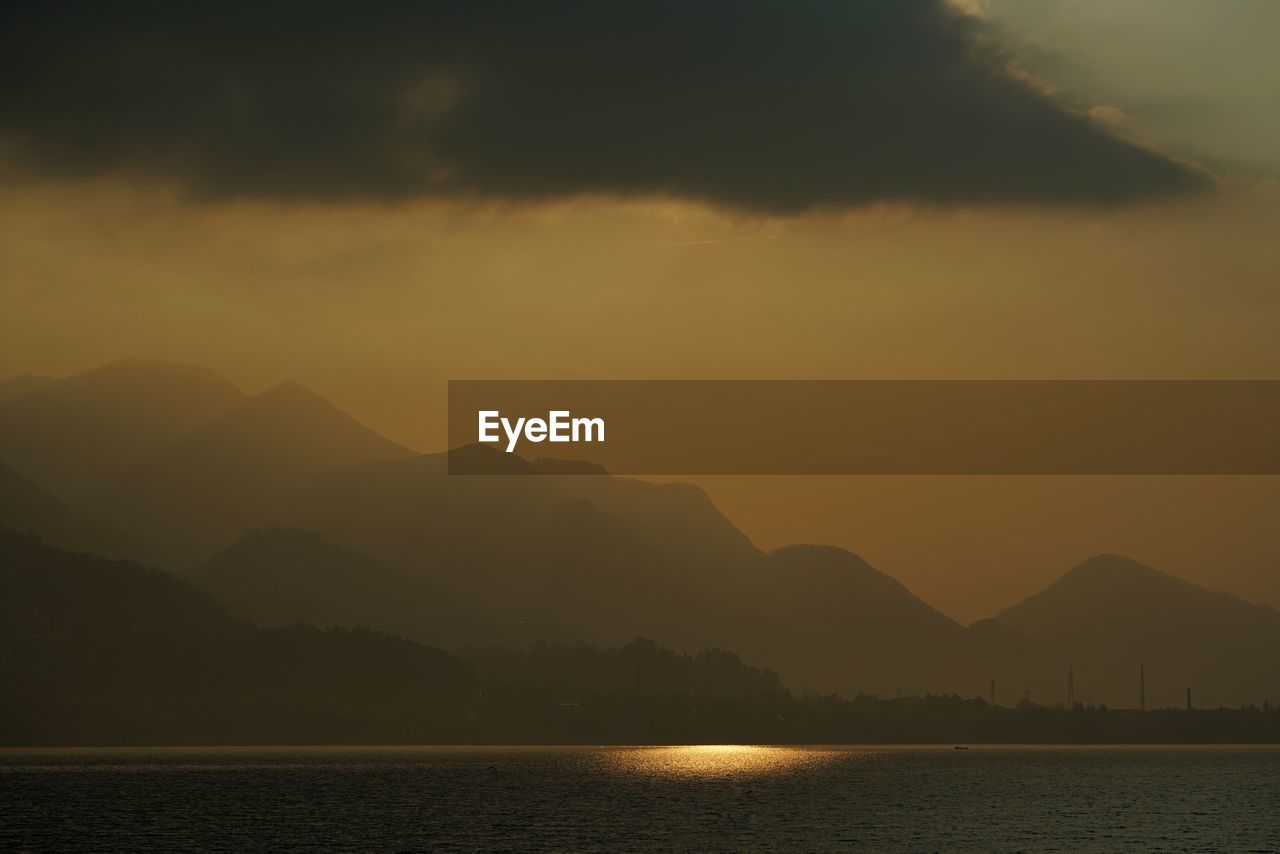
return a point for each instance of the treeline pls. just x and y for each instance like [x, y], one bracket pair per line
[533, 717]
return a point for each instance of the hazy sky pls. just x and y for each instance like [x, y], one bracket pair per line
[1196, 76]
[742, 209]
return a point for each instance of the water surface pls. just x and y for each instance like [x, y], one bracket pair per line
[642, 799]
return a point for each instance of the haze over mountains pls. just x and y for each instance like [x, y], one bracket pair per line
[289, 511]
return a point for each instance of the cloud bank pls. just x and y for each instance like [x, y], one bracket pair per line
[766, 106]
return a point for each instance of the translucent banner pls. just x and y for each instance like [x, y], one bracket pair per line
[1001, 427]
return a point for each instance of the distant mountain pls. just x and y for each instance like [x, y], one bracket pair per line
[518, 544]
[602, 559]
[68, 434]
[282, 576]
[21, 385]
[237, 471]
[94, 651]
[677, 520]
[829, 586]
[78, 603]
[1020, 666]
[99, 652]
[1110, 615]
[841, 625]
[26, 508]
[180, 460]
[608, 559]
[287, 427]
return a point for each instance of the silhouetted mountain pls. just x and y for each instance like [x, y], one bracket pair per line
[517, 543]
[608, 558]
[290, 427]
[178, 457]
[1021, 666]
[841, 625]
[106, 652]
[24, 507]
[281, 577]
[677, 520]
[1110, 614]
[100, 651]
[604, 559]
[21, 385]
[68, 434]
[828, 586]
[81, 602]
[238, 471]
[592, 557]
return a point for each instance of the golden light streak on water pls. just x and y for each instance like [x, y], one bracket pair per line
[714, 760]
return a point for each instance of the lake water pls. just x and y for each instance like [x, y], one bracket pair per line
[643, 799]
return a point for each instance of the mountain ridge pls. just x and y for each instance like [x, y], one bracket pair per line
[69, 433]
[606, 559]
[1112, 616]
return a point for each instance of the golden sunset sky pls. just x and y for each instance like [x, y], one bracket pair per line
[252, 251]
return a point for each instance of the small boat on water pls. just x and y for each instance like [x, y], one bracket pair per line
[962, 747]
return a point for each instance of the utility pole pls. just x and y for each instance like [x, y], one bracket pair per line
[1188, 699]
[1071, 688]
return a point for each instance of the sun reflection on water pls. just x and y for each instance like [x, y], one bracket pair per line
[714, 760]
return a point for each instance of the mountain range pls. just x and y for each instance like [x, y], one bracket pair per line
[289, 511]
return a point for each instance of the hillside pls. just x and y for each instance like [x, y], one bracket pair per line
[94, 651]
[238, 471]
[68, 434]
[281, 577]
[186, 467]
[26, 508]
[839, 624]
[1111, 614]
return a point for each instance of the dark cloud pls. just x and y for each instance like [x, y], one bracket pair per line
[765, 105]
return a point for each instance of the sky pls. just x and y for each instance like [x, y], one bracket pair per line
[372, 204]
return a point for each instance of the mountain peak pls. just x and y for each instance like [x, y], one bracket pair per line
[195, 494]
[1110, 614]
[288, 422]
[148, 367]
[70, 433]
[289, 402]
[1106, 564]
[1104, 580]
[288, 387]
[136, 379]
